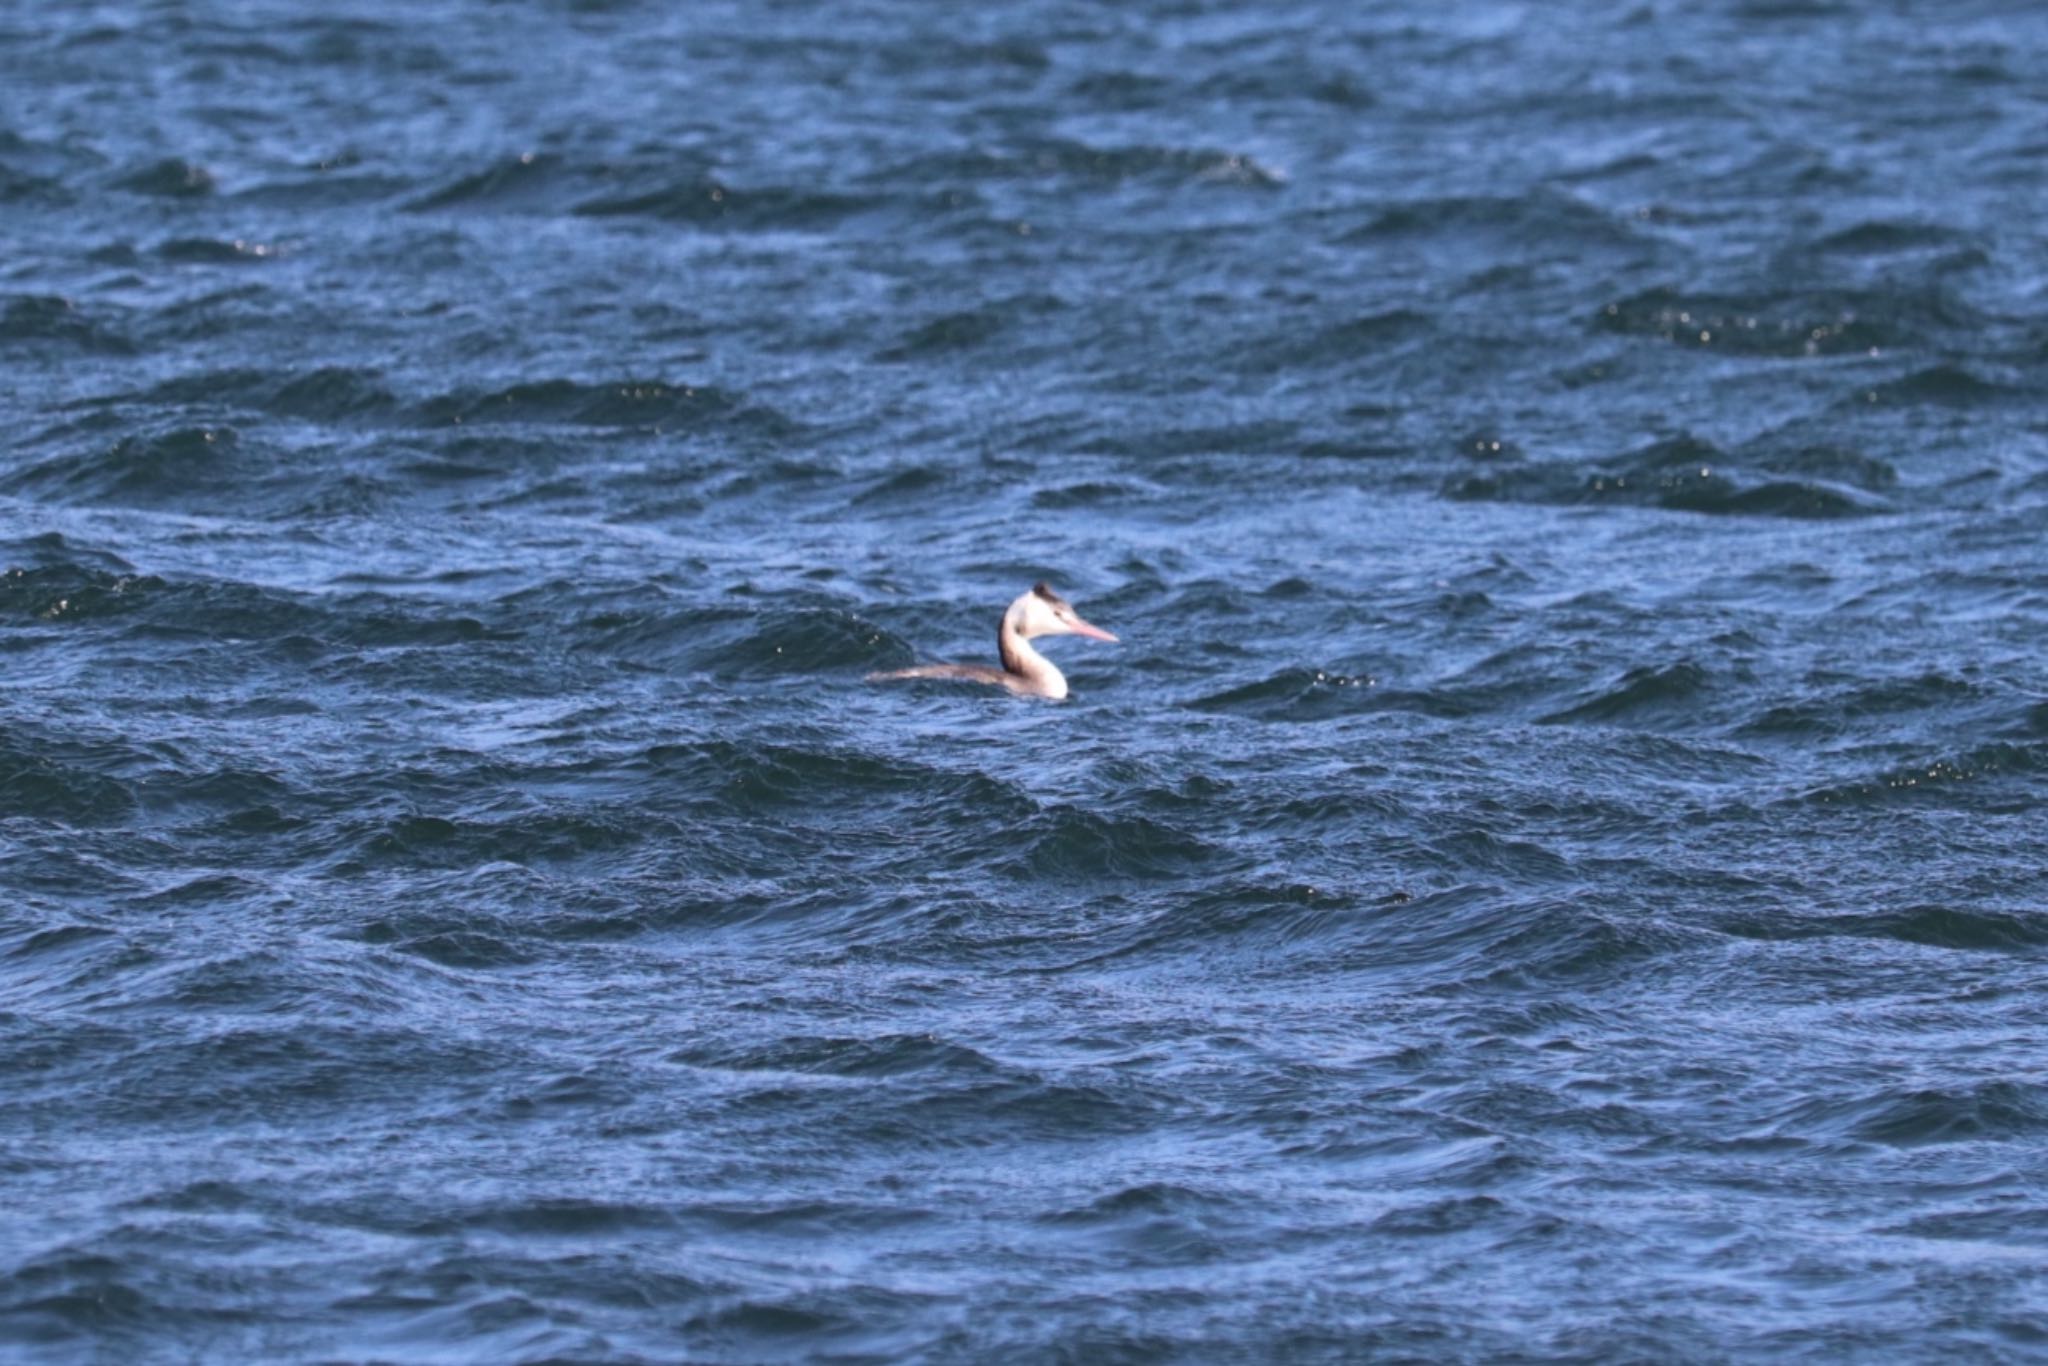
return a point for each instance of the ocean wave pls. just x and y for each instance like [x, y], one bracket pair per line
[209, 251]
[1887, 236]
[157, 468]
[1850, 707]
[1670, 692]
[856, 1057]
[1298, 695]
[971, 329]
[1793, 322]
[527, 181]
[1088, 493]
[1070, 159]
[742, 642]
[350, 395]
[1946, 385]
[25, 187]
[1366, 338]
[73, 781]
[29, 319]
[1990, 777]
[61, 590]
[328, 393]
[1930, 925]
[1684, 474]
[804, 641]
[1557, 220]
[1065, 842]
[709, 202]
[761, 779]
[1906, 1116]
[329, 186]
[71, 1294]
[170, 178]
[632, 403]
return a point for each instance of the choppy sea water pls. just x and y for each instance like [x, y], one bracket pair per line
[1553, 871]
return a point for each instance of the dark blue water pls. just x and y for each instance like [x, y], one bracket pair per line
[1553, 871]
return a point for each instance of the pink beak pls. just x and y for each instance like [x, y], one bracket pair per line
[1082, 628]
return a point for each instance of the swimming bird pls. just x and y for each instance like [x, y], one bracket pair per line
[1041, 612]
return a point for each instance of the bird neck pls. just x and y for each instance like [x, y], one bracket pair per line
[1037, 673]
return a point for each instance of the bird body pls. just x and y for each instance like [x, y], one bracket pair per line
[1024, 671]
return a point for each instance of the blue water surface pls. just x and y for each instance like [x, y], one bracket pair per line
[1553, 870]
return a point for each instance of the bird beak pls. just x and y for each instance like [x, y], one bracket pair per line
[1082, 628]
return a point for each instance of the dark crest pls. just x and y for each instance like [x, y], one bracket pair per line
[1045, 591]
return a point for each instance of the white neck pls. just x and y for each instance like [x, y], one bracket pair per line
[1033, 672]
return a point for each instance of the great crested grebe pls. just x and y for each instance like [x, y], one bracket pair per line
[1041, 612]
